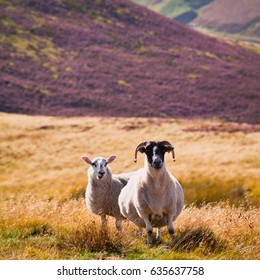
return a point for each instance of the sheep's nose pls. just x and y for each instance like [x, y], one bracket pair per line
[157, 162]
[101, 174]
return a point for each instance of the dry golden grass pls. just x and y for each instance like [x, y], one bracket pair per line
[43, 179]
[42, 155]
[42, 229]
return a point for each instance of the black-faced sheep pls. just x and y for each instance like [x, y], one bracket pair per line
[152, 197]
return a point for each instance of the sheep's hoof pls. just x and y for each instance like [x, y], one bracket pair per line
[149, 238]
[150, 242]
[119, 228]
[172, 238]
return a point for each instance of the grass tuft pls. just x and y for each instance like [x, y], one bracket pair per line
[191, 239]
[92, 238]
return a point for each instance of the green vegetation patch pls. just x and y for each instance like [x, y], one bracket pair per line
[25, 231]
[23, 42]
[174, 8]
[196, 4]
[124, 83]
[75, 6]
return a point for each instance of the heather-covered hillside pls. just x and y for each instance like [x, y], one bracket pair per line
[115, 58]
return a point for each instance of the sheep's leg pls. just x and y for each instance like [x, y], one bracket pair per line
[149, 230]
[170, 226]
[103, 220]
[118, 224]
[140, 232]
[158, 233]
[148, 226]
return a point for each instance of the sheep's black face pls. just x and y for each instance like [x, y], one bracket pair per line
[155, 152]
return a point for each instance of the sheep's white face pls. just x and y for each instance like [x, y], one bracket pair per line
[99, 165]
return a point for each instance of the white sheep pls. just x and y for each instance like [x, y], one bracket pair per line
[104, 188]
[152, 197]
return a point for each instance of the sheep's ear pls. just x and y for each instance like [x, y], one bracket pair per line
[86, 159]
[111, 158]
[169, 148]
[141, 150]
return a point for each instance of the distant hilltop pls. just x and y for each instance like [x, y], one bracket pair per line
[236, 17]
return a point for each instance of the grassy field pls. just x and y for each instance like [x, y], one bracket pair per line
[43, 179]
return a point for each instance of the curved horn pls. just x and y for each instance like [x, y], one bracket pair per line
[142, 144]
[166, 143]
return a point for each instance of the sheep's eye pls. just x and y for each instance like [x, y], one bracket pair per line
[106, 164]
[93, 164]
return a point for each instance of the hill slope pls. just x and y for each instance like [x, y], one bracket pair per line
[114, 58]
[175, 8]
[232, 17]
[229, 16]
